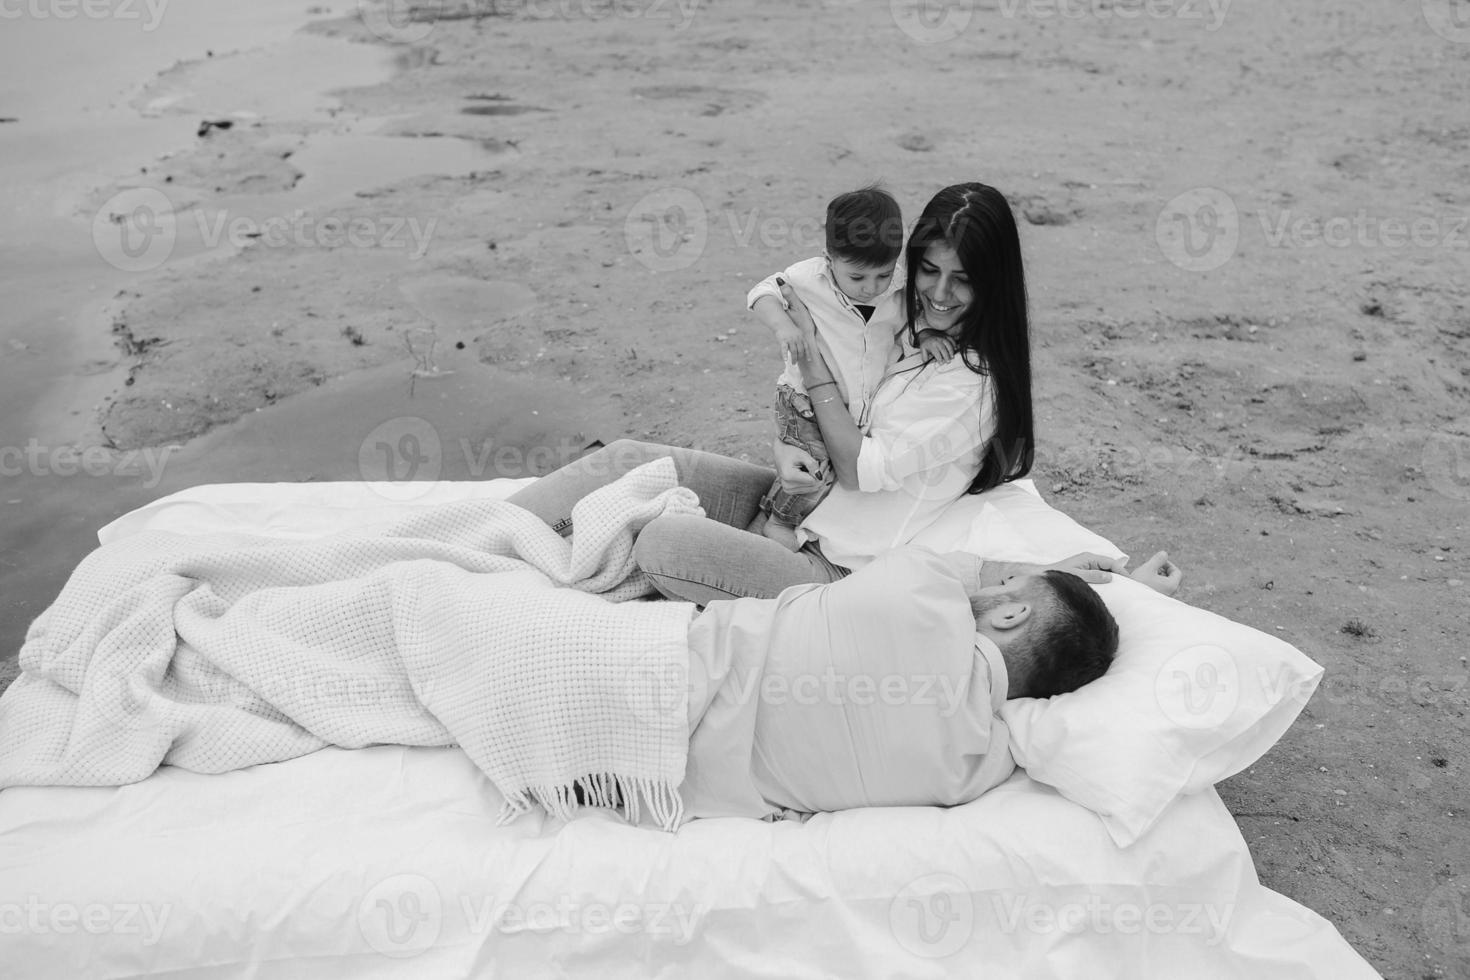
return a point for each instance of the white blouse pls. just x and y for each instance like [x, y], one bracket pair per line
[927, 436]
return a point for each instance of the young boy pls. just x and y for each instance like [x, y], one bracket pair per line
[856, 303]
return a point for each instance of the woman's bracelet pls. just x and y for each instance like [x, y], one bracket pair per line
[810, 388]
[823, 401]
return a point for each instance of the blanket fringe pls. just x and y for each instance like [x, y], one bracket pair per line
[601, 790]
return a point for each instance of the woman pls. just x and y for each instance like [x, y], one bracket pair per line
[937, 431]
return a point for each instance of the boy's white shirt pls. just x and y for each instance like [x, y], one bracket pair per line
[858, 353]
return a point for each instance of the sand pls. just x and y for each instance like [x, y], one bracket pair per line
[1247, 248]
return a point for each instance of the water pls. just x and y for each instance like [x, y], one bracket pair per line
[96, 100]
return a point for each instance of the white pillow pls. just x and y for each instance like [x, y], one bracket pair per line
[1011, 523]
[1191, 699]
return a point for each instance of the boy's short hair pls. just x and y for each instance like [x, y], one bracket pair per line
[1076, 644]
[865, 227]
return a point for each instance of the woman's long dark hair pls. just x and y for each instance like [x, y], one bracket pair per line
[995, 333]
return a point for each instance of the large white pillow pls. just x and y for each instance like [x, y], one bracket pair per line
[1191, 699]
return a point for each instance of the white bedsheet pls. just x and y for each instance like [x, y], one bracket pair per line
[386, 862]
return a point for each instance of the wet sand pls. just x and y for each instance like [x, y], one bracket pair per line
[1246, 246]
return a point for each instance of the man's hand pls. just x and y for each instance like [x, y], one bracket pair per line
[798, 470]
[1159, 574]
[1087, 566]
[1090, 567]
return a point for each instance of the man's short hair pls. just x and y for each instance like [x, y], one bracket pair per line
[865, 227]
[1075, 644]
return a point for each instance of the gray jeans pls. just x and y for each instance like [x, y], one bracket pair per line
[696, 559]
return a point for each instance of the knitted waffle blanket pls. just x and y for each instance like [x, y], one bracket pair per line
[471, 624]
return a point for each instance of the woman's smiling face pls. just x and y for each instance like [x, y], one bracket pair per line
[945, 291]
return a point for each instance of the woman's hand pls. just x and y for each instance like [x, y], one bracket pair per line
[798, 470]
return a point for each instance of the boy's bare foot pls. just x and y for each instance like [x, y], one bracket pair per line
[1159, 574]
[782, 534]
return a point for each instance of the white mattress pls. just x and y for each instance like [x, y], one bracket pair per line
[386, 862]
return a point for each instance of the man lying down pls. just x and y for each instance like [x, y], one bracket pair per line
[882, 688]
[475, 625]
